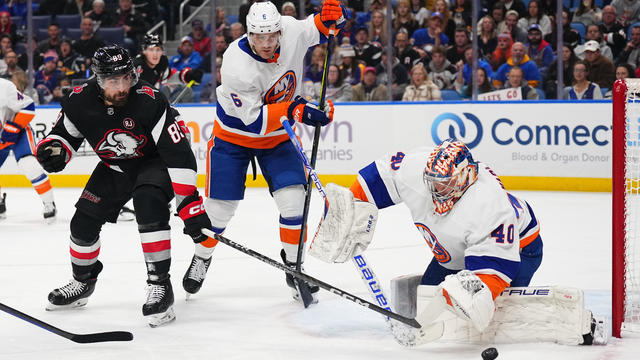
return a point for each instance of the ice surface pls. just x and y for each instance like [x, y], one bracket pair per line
[244, 310]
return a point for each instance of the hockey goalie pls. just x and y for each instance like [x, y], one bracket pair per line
[486, 247]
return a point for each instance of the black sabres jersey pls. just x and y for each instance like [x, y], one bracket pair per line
[144, 128]
[154, 76]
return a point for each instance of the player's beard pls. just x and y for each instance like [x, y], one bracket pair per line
[117, 99]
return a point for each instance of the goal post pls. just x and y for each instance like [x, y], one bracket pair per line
[626, 207]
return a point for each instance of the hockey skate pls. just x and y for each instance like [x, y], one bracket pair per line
[599, 332]
[126, 214]
[300, 289]
[75, 293]
[194, 277]
[49, 212]
[159, 306]
[3, 206]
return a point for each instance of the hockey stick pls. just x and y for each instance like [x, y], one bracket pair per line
[310, 279]
[78, 338]
[307, 298]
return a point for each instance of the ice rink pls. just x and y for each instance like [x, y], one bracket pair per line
[244, 310]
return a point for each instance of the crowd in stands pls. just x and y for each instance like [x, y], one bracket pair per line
[431, 42]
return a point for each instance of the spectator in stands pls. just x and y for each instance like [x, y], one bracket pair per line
[461, 12]
[21, 81]
[404, 18]
[88, 42]
[37, 57]
[133, 24]
[186, 57]
[46, 80]
[601, 69]
[289, 9]
[487, 37]
[5, 44]
[441, 71]
[222, 24]
[351, 69]
[511, 26]
[6, 27]
[519, 58]
[337, 89]
[539, 51]
[368, 89]
[588, 13]
[378, 5]
[467, 67]
[612, 31]
[466, 91]
[70, 62]
[51, 7]
[77, 7]
[426, 38]
[421, 87]
[19, 8]
[631, 52]
[628, 11]
[570, 36]
[569, 58]
[148, 9]
[366, 51]
[221, 44]
[11, 61]
[497, 14]
[593, 33]
[237, 30]
[100, 16]
[515, 81]
[406, 54]
[63, 89]
[550, 8]
[623, 71]
[399, 76]
[535, 16]
[516, 5]
[460, 42]
[448, 26]
[419, 12]
[582, 88]
[201, 40]
[314, 70]
[53, 41]
[502, 52]
[378, 28]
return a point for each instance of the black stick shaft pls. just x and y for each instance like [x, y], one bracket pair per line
[312, 280]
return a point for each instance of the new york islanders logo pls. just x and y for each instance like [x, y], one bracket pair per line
[282, 90]
[439, 252]
[119, 144]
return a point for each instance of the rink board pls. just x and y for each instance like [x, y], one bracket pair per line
[541, 145]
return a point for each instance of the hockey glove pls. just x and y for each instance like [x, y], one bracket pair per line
[193, 74]
[191, 211]
[10, 133]
[300, 110]
[52, 155]
[469, 298]
[332, 13]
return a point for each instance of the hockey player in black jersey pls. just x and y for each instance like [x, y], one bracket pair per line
[145, 156]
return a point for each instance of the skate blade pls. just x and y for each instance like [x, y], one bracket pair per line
[50, 220]
[160, 319]
[73, 305]
[296, 297]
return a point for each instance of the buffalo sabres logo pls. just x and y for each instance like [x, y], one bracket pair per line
[439, 252]
[119, 144]
[282, 90]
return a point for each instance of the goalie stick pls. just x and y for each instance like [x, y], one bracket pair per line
[78, 338]
[310, 279]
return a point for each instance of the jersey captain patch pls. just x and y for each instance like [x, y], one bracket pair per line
[119, 144]
[282, 90]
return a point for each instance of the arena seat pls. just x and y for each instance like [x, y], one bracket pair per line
[68, 21]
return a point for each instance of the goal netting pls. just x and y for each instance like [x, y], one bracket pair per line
[626, 207]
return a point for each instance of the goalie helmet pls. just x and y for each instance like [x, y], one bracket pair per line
[449, 172]
[112, 60]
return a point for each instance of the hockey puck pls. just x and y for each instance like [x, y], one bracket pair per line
[490, 353]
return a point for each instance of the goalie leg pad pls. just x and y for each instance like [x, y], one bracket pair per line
[346, 228]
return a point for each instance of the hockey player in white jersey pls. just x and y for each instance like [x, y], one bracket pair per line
[261, 82]
[16, 112]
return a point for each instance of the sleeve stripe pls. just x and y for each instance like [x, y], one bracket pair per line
[23, 118]
[506, 269]
[233, 122]
[71, 128]
[183, 181]
[376, 186]
[157, 130]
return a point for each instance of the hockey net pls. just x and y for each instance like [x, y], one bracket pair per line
[626, 207]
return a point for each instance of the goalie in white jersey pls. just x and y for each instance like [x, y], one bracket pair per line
[261, 81]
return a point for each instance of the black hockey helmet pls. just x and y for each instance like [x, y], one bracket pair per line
[151, 40]
[112, 60]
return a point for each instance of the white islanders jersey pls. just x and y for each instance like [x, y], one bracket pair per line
[14, 105]
[484, 230]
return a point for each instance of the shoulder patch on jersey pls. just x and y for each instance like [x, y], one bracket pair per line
[147, 90]
[77, 89]
[282, 90]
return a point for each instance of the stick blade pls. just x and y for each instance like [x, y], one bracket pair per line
[102, 337]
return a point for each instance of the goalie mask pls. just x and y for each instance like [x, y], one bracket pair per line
[449, 172]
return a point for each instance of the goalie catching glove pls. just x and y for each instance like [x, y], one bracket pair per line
[347, 227]
[191, 211]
